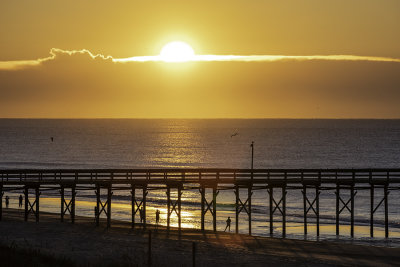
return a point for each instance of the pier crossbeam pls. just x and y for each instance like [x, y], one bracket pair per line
[209, 206]
[172, 204]
[68, 206]
[277, 206]
[32, 207]
[243, 206]
[311, 206]
[103, 207]
[138, 206]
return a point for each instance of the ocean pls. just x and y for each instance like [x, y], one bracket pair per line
[209, 143]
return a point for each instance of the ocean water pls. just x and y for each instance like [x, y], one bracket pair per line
[279, 143]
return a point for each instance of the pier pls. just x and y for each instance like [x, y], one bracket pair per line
[242, 182]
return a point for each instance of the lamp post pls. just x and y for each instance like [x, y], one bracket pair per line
[252, 154]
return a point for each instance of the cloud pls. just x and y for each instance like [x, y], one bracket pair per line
[54, 52]
[21, 64]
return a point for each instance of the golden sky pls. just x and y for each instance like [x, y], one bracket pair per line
[308, 80]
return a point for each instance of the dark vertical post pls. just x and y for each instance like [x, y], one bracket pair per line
[133, 205]
[109, 205]
[337, 208]
[73, 194]
[317, 206]
[149, 250]
[179, 206]
[203, 199]
[62, 203]
[26, 193]
[249, 193]
[252, 157]
[305, 208]
[271, 211]
[168, 206]
[371, 224]
[284, 211]
[352, 211]
[97, 205]
[215, 208]
[386, 193]
[37, 194]
[194, 254]
[237, 209]
[1, 202]
[144, 205]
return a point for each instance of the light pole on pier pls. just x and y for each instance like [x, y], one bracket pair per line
[252, 154]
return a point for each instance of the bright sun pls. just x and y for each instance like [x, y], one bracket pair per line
[176, 52]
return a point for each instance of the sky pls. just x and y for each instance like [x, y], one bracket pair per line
[269, 59]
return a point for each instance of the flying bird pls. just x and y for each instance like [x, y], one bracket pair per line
[234, 134]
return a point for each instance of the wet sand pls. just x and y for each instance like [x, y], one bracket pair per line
[86, 244]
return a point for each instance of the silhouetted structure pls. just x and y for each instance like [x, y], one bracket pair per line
[247, 180]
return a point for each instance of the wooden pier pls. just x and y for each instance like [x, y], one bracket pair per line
[243, 182]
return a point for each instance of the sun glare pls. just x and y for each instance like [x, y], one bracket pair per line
[176, 52]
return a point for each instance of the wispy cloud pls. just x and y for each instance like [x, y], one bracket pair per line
[20, 64]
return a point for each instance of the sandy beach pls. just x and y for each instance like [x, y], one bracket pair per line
[85, 244]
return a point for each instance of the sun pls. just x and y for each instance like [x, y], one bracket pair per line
[176, 52]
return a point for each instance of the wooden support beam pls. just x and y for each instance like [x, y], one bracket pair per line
[352, 211]
[386, 193]
[97, 211]
[337, 208]
[26, 193]
[144, 195]
[305, 208]
[62, 203]
[215, 208]
[168, 207]
[73, 195]
[237, 209]
[1, 202]
[203, 200]
[317, 192]
[271, 211]
[109, 194]
[249, 194]
[371, 224]
[133, 205]
[284, 211]
[179, 206]
[37, 194]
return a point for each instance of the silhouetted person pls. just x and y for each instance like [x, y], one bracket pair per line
[157, 216]
[228, 224]
[20, 201]
[52, 139]
[141, 213]
[95, 213]
[7, 201]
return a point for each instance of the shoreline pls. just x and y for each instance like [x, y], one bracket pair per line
[85, 244]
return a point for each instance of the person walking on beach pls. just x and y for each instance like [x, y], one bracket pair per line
[157, 216]
[7, 201]
[141, 214]
[20, 201]
[228, 224]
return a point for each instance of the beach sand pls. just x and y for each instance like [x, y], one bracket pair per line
[86, 244]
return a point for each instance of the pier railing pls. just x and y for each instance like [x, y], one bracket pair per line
[220, 176]
[311, 182]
